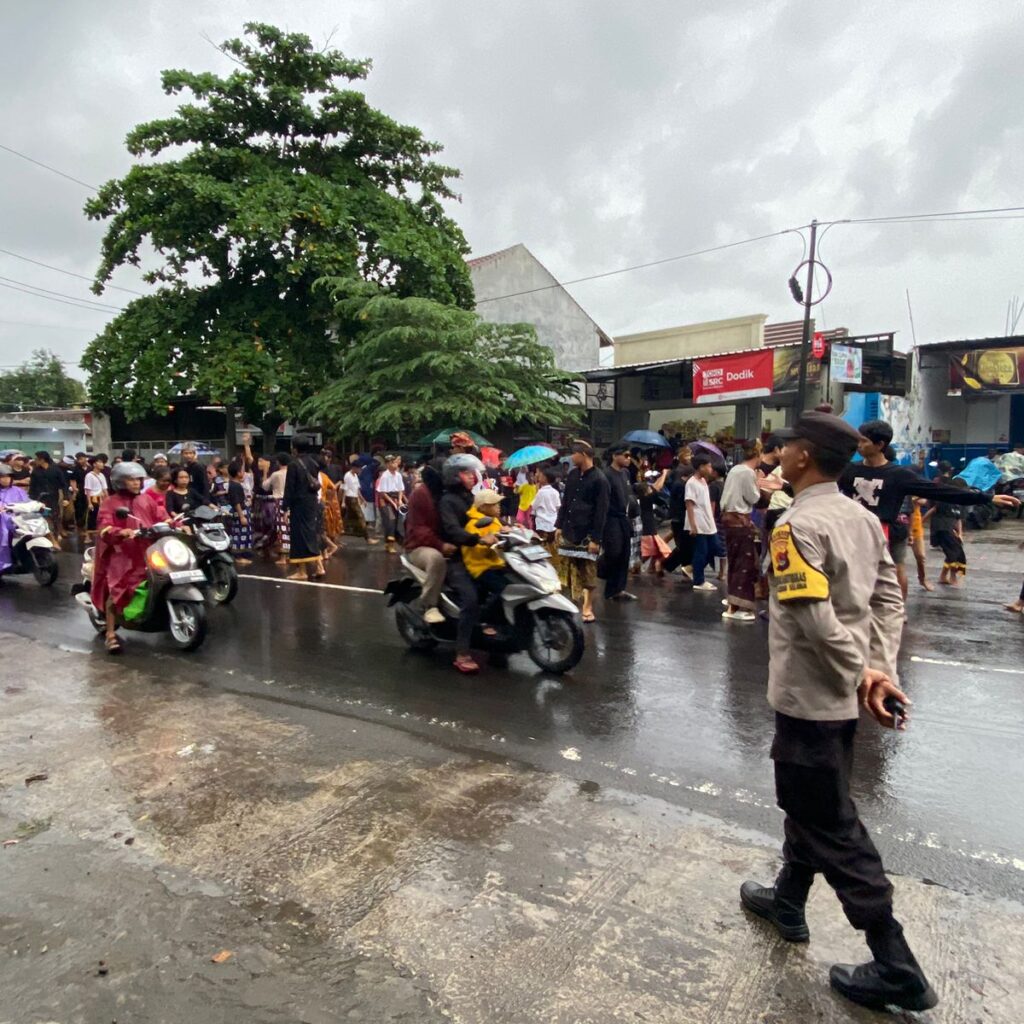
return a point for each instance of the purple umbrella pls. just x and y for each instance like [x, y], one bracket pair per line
[706, 446]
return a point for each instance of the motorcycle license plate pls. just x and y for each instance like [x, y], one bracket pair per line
[534, 553]
[188, 576]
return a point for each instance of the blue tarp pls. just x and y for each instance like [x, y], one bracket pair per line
[981, 473]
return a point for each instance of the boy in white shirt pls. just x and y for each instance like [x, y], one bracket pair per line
[546, 503]
[700, 521]
[95, 487]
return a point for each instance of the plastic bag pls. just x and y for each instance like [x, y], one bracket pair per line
[135, 607]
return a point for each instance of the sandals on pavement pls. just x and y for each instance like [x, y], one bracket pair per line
[466, 665]
[114, 645]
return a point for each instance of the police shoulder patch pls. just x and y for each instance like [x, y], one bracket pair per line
[795, 578]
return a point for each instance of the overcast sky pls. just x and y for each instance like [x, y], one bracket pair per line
[601, 134]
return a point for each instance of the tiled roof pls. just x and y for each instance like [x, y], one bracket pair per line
[479, 261]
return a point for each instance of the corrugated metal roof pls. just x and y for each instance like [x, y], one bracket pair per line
[622, 368]
[1013, 341]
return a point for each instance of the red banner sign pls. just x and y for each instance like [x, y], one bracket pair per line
[725, 378]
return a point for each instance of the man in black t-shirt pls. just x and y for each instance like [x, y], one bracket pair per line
[882, 486]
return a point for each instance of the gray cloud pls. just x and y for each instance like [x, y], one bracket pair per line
[600, 134]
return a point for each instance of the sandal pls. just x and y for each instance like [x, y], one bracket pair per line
[114, 645]
[588, 619]
[466, 665]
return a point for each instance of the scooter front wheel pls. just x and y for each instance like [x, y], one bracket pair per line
[556, 643]
[223, 582]
[187, 623]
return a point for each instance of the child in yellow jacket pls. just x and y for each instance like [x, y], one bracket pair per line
[480, 559]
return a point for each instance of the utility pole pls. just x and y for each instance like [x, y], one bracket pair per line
[805, 343]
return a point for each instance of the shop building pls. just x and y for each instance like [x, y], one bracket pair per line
[701, 387]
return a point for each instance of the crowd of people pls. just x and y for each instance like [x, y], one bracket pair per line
[603, 518]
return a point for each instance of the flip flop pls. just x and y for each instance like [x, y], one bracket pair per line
[114, 645]
[467, 666]
[589, 619]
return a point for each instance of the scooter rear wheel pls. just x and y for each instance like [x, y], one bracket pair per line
[410, 632]
[188, 624]
[44, 568]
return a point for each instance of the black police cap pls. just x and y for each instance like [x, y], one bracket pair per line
[824, 431]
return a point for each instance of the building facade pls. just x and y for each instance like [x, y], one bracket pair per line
[512, 287]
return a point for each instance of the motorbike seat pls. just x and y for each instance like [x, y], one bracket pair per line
[417, 574]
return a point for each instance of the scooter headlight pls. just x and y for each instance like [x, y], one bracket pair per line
[171, 554]
[177, 553]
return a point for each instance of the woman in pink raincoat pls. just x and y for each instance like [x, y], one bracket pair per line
[120, 559]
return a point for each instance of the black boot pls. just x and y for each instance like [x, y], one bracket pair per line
[893, 978]
[782, 904]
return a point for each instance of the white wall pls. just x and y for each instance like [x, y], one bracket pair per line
[981, 420]
[745, 332]
[560, 323]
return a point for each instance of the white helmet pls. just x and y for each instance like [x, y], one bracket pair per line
[461, 463]
[125, 471]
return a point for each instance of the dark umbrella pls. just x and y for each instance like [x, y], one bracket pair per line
[444, 436]
[647, 439]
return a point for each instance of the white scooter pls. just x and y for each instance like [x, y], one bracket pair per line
[31, 547]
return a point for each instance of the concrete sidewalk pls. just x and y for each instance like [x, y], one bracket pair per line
[355, 872]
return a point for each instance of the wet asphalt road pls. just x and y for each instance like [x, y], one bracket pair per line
[669, 700]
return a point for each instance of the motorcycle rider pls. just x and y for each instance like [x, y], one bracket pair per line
[460, 474]
[9, 495]
[423, 544]
[119, 565]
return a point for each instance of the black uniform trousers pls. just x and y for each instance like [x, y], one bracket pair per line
[616, 544]
[813, 763]
[683, 554]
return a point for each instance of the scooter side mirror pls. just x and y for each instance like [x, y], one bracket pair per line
[122, 513]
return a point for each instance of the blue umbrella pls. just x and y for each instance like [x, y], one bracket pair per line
[647, 439]
[531, 454]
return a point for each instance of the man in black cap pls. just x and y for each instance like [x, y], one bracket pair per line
[833, 638]
[882, 486]
[618, 531]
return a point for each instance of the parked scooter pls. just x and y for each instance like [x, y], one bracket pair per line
[31, 547]
[173, 600]
[531, 614]
[212, 546]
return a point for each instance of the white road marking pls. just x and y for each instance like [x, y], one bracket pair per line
[312, 583]
[964, 664]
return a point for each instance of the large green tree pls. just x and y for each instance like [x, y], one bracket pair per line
[41, 382]
[413, 363]
[268, 179]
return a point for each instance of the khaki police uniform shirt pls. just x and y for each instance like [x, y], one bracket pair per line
[836, 606]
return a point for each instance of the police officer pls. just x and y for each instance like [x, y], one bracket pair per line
[836, 619]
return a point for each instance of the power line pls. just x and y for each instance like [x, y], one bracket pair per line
[53, 170]
[70, 273]
[76, 304]
[953, 214]
[27, 323]
[64, 295]
[644, 266]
